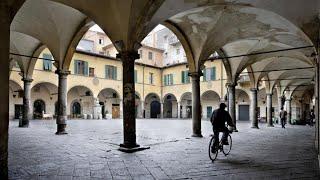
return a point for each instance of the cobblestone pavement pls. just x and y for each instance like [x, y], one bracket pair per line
[89, 151]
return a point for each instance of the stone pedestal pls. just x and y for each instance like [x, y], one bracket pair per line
[279, 108]
[269, 110]
[97, 110]
[196, 105]
[62, 102]
[26, 116]
[253, 108]
[142, 110]
[232, 103]
[161, 110]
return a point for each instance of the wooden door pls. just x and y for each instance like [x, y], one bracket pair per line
[115, 111]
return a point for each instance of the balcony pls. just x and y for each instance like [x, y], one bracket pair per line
[173, 40]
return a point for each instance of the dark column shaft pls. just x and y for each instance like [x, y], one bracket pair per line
[232, 103]
[253, 108]
[196, 105]
[4, 90]
[24, 122]
[129, 119]
[269, 110]
[62, 102]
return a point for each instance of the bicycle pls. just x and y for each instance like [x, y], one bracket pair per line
[213, 153]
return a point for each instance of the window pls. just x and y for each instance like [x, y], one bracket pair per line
[101, 41]
[135, 76]
[140, 52]
[101, 52]
[47, 63]
[178, 51]
[111, 72]
[209, 74]
[108, 53]
[150, 78]
[168, 79]
[150, 55]
[91, 72]
[81, 67]
[184, 77]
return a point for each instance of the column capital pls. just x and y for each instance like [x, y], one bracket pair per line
[230, 84]
[61, 72]
[128, 55]
[254, 89]
[288, 99]
[27, 80]
[269, 94]
[195, 74]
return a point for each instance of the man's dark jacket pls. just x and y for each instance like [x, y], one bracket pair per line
[219, 118]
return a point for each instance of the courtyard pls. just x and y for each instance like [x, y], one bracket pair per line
[90, 151]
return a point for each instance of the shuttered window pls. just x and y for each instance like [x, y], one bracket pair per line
[81, 67]
[209, 74]
[47, 63]
[168, 79]
[111, 72]
[184, 77]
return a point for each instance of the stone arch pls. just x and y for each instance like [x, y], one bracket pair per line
[210, 101]
[76, 109]
[170, 106]
[15, 99]
[186, 105]
[110, 102]
[152, 106]
[242, 104]
[84, 95]
[39, 108]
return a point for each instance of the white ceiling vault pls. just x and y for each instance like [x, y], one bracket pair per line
[203, 27]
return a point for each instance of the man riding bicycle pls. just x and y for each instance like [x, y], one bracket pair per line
[218, 119]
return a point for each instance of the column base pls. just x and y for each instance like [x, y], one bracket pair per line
[235, 130]
[270, 125]
[197, 135]
[131, 148]
[255, 127]
[23, 124]
[61, 129]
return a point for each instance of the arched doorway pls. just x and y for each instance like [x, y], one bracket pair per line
[170, 106]
[76, 110]
[209, 101]
[155, 108]
[39, 108]
[84, 96]
[243, 105]
[152, 106]
[110, 102]
[186, 105]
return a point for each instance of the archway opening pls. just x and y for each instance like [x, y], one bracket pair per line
[39, 108]
[209, 101]
[152, 106]
[110, 102]
[186, 105]
[170, 106]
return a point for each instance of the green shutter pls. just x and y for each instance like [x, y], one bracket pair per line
[47, 62]
[115, 73]
[165, 80]
[187, 77]
[213, 73]
[75, 66]
[106, 71]
[205, 75]
[86, 68]
[182, 77]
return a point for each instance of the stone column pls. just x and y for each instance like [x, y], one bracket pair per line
[129, 119]
[269, 110]
[179, 110]
[196, 105]
[279, 109]
[4, 90]
[253, 108]
[289, 110]
[161, 110]
[142, 109]
[232, 103]
[121, 108]
[62, 102]
[26, 116]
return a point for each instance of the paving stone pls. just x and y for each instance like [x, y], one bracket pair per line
[89, 151]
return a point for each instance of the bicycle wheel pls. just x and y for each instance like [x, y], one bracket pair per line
[227, 148]
[212, 154]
